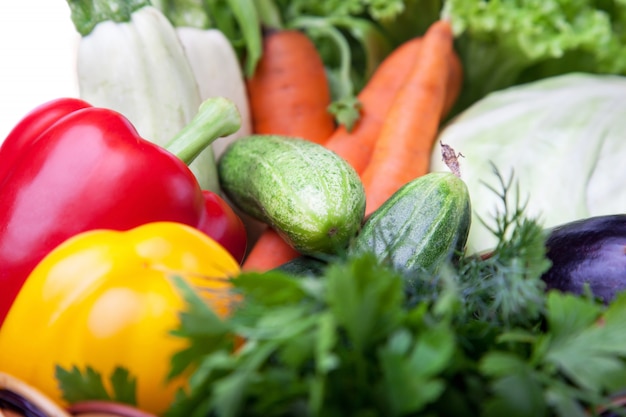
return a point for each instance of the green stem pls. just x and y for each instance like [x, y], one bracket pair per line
[86, 14]
[345, 107]
[240, 24]
[269, 15]
[223, 19]
[184, 13]
[216, 118]
[322, 26]
[375, 44]
[250, 26]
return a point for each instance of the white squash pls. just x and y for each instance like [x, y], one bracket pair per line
[218, 74]
[139, 68]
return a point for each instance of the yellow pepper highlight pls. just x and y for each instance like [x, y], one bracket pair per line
[105, 299]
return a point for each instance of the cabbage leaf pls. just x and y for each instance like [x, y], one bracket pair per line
[563, 138]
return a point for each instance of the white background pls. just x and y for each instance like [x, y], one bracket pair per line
[37, 57]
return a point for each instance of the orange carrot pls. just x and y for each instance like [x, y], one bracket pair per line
[356, 146]
[289, 95]
[289, 92]
[403, 147]
[269, 251]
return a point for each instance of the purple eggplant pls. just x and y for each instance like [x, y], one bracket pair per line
[13, 401]
[590, 251]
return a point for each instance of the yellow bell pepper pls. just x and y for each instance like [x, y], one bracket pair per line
[105, 299]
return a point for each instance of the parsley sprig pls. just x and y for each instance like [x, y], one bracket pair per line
[87, 384]
[481, 337]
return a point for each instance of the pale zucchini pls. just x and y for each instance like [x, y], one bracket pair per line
[218, 74]
[307, 193]
[139, 68]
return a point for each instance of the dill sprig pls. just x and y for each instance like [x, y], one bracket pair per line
[504, 287]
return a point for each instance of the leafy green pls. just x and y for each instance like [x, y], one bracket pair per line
[578, 359]
[586, 345]
[246, 36]
[569, 126]
[507, 42]
[77, 385]
[321, 338]
[503, 287]
[345, 105]
[191, 13]
[349, 41]
[200, 321]
[478, 338]
[513, 286]
[414, 19]
[378, 9]
[501, 43]
[239, 22]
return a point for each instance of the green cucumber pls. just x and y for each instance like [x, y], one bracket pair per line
[303, 266]
[311, 196]
[424, 224]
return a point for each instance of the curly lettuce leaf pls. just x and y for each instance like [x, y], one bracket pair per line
[508, 42]
[377, 9]
[414, 19]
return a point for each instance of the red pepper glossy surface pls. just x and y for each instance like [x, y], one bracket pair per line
[225, 226]
[84, 169]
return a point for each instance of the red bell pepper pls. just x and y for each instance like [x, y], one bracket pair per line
[227, 227]
[68, 167]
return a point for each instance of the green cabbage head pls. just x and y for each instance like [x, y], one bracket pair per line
[561, 139]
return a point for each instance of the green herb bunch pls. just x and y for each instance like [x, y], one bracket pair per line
[479, 338]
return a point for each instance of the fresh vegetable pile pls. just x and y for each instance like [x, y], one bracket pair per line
[321, 208]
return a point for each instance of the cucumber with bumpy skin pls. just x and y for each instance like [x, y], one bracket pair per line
[312, 197]
[421, 226]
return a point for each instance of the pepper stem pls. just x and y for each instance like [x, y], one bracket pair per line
[217, 117]
[86, 14]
